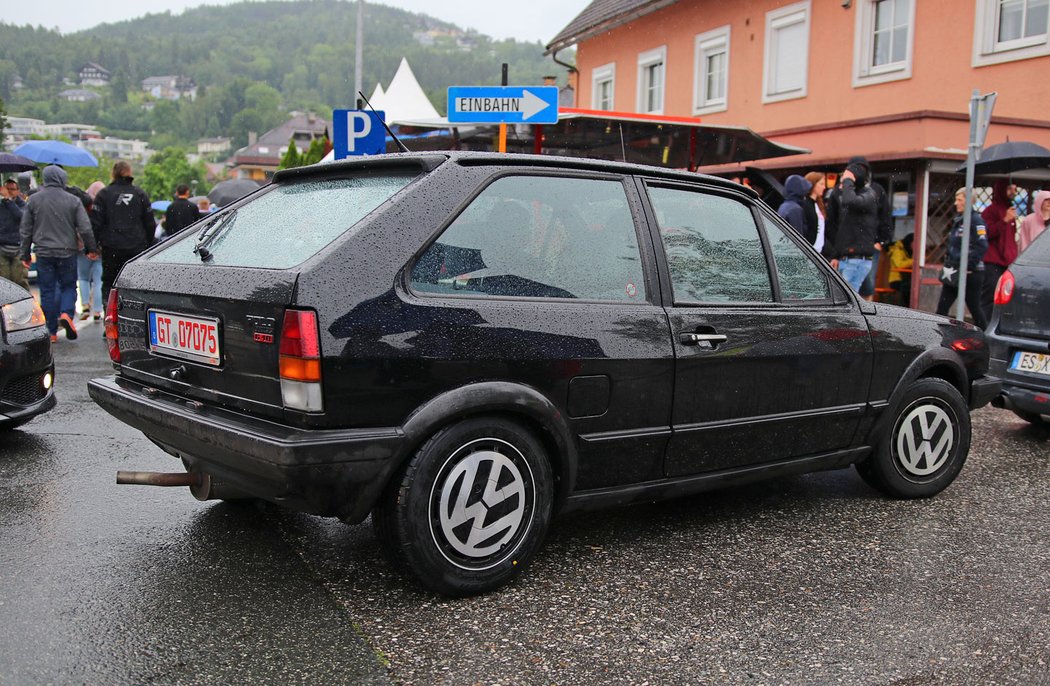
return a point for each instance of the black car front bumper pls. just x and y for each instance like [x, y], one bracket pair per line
[25, 359]
[326, 472]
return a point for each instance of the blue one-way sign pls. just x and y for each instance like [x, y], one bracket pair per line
[503, 104]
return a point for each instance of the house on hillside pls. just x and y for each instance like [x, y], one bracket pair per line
[887, 79]
[74, 132]
[79, 95]
[170, 87]
[213, 146]
[261, 157]
[92, 74]
[117, 148]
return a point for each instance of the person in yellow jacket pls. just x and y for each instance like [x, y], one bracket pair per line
[901, 258]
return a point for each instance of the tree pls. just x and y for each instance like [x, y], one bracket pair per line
[166, 170]
[316, 152]
[3, 122]
[291, 157]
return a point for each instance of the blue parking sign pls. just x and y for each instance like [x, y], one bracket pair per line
[358, 132]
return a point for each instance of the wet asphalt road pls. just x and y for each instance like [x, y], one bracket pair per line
[807, 580]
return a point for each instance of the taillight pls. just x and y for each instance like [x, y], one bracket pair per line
[112, 333]
[1004, 290]
[300, 361]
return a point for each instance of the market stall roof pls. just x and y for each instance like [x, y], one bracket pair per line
[665, 141]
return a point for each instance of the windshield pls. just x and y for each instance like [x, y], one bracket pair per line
[287, 225]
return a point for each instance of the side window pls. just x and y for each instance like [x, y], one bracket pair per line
[800, 279]
[539, 237]
[713, 248]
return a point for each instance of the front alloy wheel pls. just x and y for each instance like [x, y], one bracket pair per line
[926, 444]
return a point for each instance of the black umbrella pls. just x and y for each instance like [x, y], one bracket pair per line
[773, 193]
[1009, 157]
[10, 162]
[226, 192]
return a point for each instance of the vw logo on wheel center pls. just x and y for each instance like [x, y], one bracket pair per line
[485, 469]
[925, 440]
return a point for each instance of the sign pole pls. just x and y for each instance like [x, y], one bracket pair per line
[980, 116]
[503, 127]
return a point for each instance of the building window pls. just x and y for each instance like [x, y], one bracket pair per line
[712, 71]
[603, 84]
[1007, 30]
[651, 69]
[787, 52]
[883, 41]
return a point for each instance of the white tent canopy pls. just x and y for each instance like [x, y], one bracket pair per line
[378, 98]
[404, 99]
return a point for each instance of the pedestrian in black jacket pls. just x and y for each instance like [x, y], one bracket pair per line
[123, 223]
[181, 212]
[853, 225]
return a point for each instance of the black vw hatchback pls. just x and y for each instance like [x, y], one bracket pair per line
[465, 344]
[26, 368]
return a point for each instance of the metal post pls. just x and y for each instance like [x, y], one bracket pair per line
[503, 127]
[358, 52]
[980, 115]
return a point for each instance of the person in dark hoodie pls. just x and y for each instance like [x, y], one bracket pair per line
[53, 219]
[1000, 218]
[123, 223]
[852, 228]
[796, 188]
[11, 208]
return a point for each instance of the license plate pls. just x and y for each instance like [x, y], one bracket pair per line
[191, 338]
[1031, 363]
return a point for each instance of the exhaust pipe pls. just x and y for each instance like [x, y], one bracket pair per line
[191, 479]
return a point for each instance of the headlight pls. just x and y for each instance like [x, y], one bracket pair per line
[24, 314]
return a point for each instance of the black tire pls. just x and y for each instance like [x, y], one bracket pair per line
[1030, 417]
[427, 515]
[925, 445]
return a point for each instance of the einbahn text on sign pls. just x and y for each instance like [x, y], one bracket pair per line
[503, 104]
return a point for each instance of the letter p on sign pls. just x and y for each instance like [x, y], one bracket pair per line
[358, 132]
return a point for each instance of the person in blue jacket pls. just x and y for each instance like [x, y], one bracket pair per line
[975, 265]
[796, 188]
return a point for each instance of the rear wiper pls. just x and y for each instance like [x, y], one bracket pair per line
[209, 233]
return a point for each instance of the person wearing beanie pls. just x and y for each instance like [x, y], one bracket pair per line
[852, 227]
[885, 231]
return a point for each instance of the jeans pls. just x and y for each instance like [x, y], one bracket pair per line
[853, 270]
[89, 276]
[867, 287]
[57, 279]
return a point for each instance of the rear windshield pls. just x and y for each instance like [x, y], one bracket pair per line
[1038, 252]
[286, 225]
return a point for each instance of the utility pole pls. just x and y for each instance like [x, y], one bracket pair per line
[980, 116]
[358, 51]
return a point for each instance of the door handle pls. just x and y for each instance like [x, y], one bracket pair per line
[712, 339]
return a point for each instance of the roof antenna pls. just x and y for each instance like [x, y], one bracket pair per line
[623, 148]
[396, 139]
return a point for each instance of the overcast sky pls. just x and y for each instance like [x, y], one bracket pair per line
[529, 20]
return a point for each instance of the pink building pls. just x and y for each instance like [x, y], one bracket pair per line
[887, 79]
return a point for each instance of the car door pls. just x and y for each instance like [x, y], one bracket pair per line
[773, 359]
[543, 280]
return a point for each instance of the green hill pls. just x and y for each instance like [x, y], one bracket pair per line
[252, 62]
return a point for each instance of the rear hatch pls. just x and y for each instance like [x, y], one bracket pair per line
[201, 315]
[1027, 315]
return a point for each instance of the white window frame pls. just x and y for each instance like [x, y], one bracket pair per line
[599, 75]
[864, 72]
[988, 50]
[648, 59]
[776, 19]
[706, 44]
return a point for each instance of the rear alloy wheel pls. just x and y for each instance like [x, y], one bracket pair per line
[926, 445]
[471, 509]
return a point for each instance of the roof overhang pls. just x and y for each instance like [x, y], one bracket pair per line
[592, 21]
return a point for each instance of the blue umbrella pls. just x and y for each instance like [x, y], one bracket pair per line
[56, 152]
[160, 205]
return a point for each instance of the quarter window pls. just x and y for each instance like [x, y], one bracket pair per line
[651, 70]
[712, 71]
[538, 237]
[603, 82]
[800, 279]
[787, 52]
[714, 252]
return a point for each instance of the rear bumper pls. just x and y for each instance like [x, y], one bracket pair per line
[326, 472]
[1020, 399]
[983, 390]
